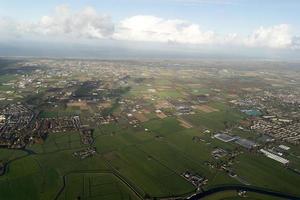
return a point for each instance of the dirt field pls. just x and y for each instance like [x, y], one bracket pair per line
[184, 123]
[105, 105]
[161, 88]
[140, 116]
[147, 97]
[81, 104]
[251, 89]
[232, 95]
[163, 104]
[206, 108]
[161, 115]
[146, 111]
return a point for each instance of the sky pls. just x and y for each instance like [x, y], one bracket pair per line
[262, 28]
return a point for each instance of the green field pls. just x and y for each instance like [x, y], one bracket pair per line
[218, 120]
[150, 162]
[267, 173]
[95, 186]
[232, 195]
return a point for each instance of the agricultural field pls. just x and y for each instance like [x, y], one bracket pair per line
[91, 132]
[232, 195]
[95, 186]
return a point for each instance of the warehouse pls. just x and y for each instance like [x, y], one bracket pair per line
[275, 157]
[224, 137]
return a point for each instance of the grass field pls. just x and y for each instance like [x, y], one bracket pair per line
[95, 186]
[9, 154]
[232, 195]
[142, 159]
[169, 93]
[58, 142]
[264, 172]
[215, 120]
[30, 180]
[151, 162]
[154, 178]
[7, 77]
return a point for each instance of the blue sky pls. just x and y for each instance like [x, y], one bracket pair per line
[245, 23]
[225, 16]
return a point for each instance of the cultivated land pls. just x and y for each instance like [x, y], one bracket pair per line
[72, 129]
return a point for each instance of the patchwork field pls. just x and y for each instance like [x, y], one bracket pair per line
[151, 162]
[206, 108]
[94, 186]
[232, 195]
[149, 133]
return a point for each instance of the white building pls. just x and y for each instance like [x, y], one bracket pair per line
[274, 157]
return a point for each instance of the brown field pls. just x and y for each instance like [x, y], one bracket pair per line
[161, 115]
[105, 105]
[232, 95]
[184, 123]
[206, 108]
[151, 90]
[140, 116]
[147, 97]
[184, 93]
[81, 104]
[251, 89]
[146, 111]
[164, 87]
[195, 85]
[110, 155]
[163, 104]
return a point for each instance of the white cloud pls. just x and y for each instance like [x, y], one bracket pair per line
[154, 29]
[274, 37]
[151, 29]
[198, 2]
[87, 23]
[296, 42]
[8, 27]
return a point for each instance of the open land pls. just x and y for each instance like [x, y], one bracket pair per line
[92, 129]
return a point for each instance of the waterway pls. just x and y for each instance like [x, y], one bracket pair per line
[243, 188]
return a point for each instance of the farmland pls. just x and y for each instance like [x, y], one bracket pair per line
[145, 133]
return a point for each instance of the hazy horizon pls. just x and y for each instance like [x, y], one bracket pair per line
[151, 29]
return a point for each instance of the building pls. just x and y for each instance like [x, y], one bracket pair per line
[2, 118]
[274, 157]
[224, 137]
[286, 148]
[248, 144]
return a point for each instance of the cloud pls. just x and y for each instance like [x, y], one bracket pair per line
[86, 23]
[274, 37]
[9, 27]
[197, 2]
[154, 29]
[89, 24]
[200, 2]
[296, 42]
